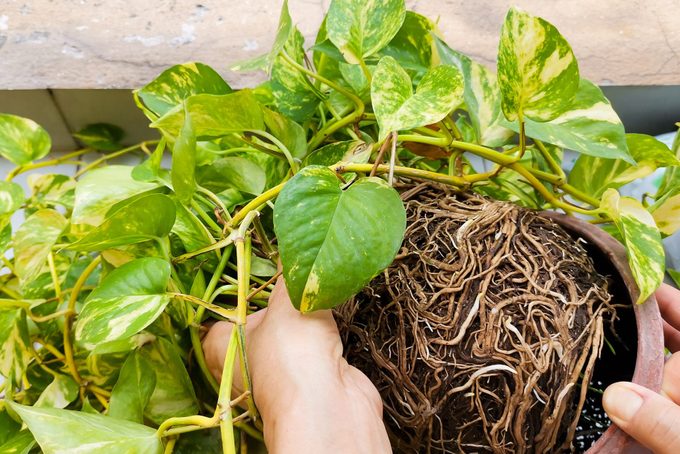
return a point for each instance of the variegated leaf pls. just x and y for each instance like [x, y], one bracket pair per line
[176, 84]
[64, 431]
[99, 189]
[360, 28]
[641, 238]
[127, 301]
[145, 218]
[397, 107]
[52, 190]
[294, 94]
[346, 151]
[101, 136]
[22, 140]
[590, 126]
[594, 175]
[62, 391]
[133, 389]
[265, 61]
[537, 72]
[21, 443]
[482, 96]
[671, 177]
[15, 345]
[214, 115]
[666, 212]
[34, 240]
[333, 241]
[413, 45]
[183, 170]
[174, 393]
[11, 197]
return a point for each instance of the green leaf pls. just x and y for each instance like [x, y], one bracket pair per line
[174, 394]
[15, 345]
[594, 175]
[178, 83]
[233, 172]
[537, 72]
[100, 136]
[360, 28]
[33, 242]
[64, 431]
[413, 44]
[590, 126]
[288, 132]
[333, 241]
[126, 302]
[675, 275]
[22, 140]
[52, 190]
[133, 389]
[265, 61]
[666, 212]
[21, 443]
[347, 151]
[641, 238]
[482, 96]
[150, 169]
[294, 95]
[99, 189]
[215, 115]
[184, 162]
[8, 427]
[145, 218]
[191, 231]
[11, 197]
[395, 105]
[62, 391]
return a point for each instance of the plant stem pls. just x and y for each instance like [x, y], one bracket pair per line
[222, 312]
[403, 171]
[52, 162]
[68, 318]
[254, 204]
[55, 277]
[554, 166]
[267, 247]
[223, 409]
[115, 154]
[207, 219]
[289, 157]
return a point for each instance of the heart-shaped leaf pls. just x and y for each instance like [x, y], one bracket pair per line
[360, 28]
[482, 96]
[233, 172]
[265, 61]
[62, 391]
[590, 126]
[22, 140]
[214, 115]
[99, 189]
[11, 197]
[64, 431]
[666, 212]
[126, 302]
[15, 345]
[642, 240]
[133, 389]
[176, 84]
[145, 218]
[594, 175]
[333, 241]
[395, 105]
[34, 240]
[413, 44]
[100, 136]
[183, 171]
[537, 72]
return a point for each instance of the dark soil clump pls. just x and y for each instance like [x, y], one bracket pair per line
[483, 333]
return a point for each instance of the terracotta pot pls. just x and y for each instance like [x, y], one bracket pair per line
[650, 352]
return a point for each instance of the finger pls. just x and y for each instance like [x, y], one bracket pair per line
[671, 337]
[281, 305]
[671, 379]
[669, 304]
[653, 420]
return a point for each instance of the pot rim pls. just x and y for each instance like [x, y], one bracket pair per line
[649, 359]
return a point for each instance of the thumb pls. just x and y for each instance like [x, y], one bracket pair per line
[650, 418]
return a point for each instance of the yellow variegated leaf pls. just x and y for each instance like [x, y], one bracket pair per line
[666, 213]
[641, 238]
[537, 71]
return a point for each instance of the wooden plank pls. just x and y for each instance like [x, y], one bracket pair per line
[123, 44]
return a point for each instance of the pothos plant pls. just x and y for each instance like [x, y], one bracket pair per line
[109, 278]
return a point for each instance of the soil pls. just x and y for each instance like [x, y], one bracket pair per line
[483, 333]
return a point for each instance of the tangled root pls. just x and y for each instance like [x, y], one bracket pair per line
[483, 333]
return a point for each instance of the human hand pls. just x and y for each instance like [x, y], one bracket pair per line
[653, 419]
[309, 398]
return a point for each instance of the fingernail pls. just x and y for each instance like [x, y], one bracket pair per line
[621, 402]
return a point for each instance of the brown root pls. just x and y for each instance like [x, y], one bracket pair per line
[483, 333]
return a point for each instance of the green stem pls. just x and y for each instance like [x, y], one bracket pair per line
[267, 247]
[254, 204]
[289, 157]
[52, 162]
[106, 157]
[554, 166]
[223, 401]
[403, 171]
[228, 314]
[206, 218]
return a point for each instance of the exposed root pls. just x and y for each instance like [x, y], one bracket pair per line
[483, 333]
